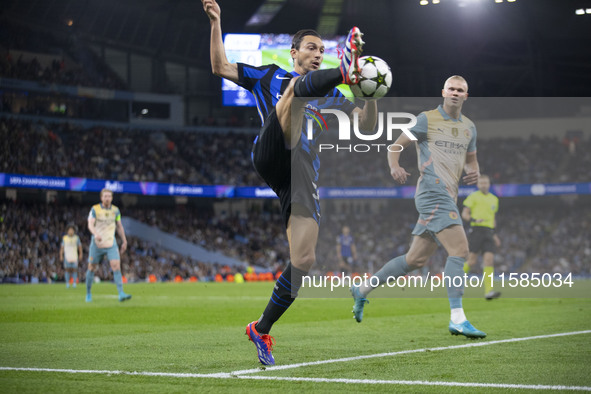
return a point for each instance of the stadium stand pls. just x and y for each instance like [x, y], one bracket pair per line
[546, 238]
[536, 238]
[32, 56]
[28, 147]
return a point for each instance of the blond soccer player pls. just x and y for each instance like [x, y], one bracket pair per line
[446, 148]
[104, 220]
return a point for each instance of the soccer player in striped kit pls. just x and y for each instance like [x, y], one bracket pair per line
[346, 250]
[282, 156]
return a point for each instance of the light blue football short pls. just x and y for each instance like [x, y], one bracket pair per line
[436, 212]
[95, 255]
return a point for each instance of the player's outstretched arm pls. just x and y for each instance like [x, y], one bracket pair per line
[79, 251]
[368, 116]
[220, 65]
[471, 168]
[398, 173]
[91, 229]
[467, 214]
[497, 241]
[121, 232]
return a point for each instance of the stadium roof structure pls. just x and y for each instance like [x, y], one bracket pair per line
[518, 48]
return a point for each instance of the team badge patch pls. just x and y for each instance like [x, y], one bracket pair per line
[453, 215]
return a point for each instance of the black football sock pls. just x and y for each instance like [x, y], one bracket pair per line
[284, 293]
[317, 83]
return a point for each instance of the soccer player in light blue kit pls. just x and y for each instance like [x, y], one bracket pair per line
[104, 219]
[70, 254]
[446, 146]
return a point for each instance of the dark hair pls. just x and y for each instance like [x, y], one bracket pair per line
[70, 226]
[299, 36]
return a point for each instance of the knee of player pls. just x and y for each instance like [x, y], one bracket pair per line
[462, 252]
[415, 262]
[304, 262]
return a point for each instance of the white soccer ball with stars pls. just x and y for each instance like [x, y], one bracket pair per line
[376, 78]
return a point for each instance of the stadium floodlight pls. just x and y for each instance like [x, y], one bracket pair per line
[580, 11]
[435, 1]
[511, 1]
[424, 2]
[588, 10]
[498, 1]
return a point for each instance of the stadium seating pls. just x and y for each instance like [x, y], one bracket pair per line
[534, 239]
[209, 158]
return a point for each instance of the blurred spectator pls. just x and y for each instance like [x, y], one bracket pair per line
[535, 240]
[61, 149]
[82, 67]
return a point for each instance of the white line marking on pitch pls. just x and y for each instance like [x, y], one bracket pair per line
[313, 380]
[244, 373]
[378, 355]
[422, 383]
[221, 375]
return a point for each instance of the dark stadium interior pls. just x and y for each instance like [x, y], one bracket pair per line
[526, 48]
[529, 48]
[117, 98]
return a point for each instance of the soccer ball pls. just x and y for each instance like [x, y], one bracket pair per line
[376, 78]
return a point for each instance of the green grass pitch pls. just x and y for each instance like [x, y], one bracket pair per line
[198, 328]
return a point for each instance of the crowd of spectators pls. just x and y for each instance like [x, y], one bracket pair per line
[58, 61]
[64, 149]
[505, 160]
[548, 238]
[55, 73]
[534, 239]
[30, 239]
[97, 152]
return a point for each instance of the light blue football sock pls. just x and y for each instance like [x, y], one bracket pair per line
[392, 269]
[89, 280]
[75, 276]
[118, 281]
[454, 267]
[67, 279]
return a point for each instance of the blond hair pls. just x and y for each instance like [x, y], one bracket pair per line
[106, 190]
[457, 77]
